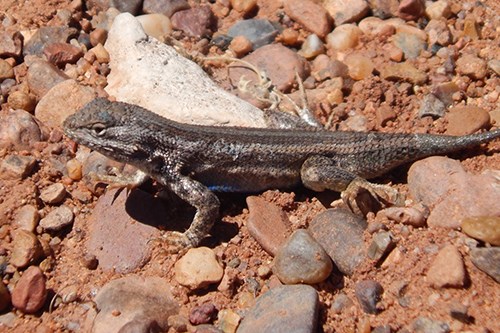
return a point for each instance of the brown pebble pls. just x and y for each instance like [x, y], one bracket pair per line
[241, 46]
[447, 269]
[53, 194]
[468, 119]
[98, 36]
[30, 292]
[21, 100]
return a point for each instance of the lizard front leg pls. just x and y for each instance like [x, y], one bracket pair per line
[207, 210]
[320, 173]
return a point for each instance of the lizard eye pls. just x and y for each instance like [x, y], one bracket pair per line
[99, 129]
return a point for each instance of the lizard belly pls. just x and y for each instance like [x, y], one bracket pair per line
[248, 182]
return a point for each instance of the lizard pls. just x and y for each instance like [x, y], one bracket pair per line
[194, 161]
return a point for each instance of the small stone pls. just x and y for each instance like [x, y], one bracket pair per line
[194, 22]
[411, 45]
[447, 269]
[61, 101]
[53, 194]
[134, 304]
[283, 309]
[21, 100]
[156, 25]
[198, 268]
[310, 15]
[241, 46]
[178, 322]
[101, 55]
[384, 8]
[384, 114]
[289, 36]
[74, 169]
[411, 10]
[341, 303]
[98, 36]
[30, 292]
[263, 271]
[453, 194]
[382, 329]
[228, 320]
[472, 66]
[90, 261]
[487, 259]
[312, 47]
[203, 314]
[485, 228]
[432, 106]
[444, 91]
[11, 44]
[427, 325]
[468, 119]
[340, 233]
[26, 249]
[329, 69]
[470, 29]
[268, 224]
[259, 32]
[368, 294]
[6, 70]
[343, 37]
[45, 36]
[405, 215]
[381, 245]
[438, 9]
[16, 166]
[278, 62]
[57, 219]
[61, 54]
[26, 218]
[165, 7]
[438, 33]
[459, 312]
[302, 260]
[403, 72]
[244, 6]
[346, 11]
[42, 76]
[19, 130]
[360, 67]
[4, 297]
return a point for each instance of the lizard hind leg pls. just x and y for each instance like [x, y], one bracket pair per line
[320, 173]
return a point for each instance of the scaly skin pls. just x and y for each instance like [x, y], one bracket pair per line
[195, 160]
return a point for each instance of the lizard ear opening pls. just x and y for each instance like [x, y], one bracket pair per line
[99, 129]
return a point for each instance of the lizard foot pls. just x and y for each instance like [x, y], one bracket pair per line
[363, 197]
[119, 180]
[177, 241]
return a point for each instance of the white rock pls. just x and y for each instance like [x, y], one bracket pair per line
[153, 75]
[198, 268]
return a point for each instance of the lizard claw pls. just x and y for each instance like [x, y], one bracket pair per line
[360, 196]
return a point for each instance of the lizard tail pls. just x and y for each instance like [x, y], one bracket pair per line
[446, 143]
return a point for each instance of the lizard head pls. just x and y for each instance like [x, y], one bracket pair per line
[102, 125]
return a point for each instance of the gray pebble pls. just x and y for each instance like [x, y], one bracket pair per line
[369, 293]
[57, 219]
[259, 32]
[487, 259]
[283, 309]
[302, 260]
[340, 233]
[53, 194]
[427, 325]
